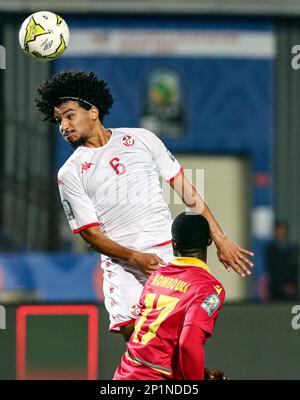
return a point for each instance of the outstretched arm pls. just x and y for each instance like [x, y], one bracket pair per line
[229, 253]
[147, 263]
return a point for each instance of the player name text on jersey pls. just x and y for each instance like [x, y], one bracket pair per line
[170, 283]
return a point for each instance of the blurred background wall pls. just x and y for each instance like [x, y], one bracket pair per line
[214, 81]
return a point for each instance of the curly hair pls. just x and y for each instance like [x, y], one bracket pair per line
[81, 85]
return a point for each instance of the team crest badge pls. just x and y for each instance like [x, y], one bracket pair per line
[210, 304]
[135, 310]
[127, 140]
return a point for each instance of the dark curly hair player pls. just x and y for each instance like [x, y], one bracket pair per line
[81, 87]
[111, 194]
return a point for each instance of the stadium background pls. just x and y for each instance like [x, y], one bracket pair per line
[233, 96]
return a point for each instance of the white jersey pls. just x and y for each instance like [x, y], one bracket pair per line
[117, 187]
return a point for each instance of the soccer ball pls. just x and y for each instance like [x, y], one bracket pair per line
[44, 35]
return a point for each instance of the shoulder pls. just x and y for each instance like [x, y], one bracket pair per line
[209, 285]
[138, 133]
[141, 135]
[69, 168]
[212, 295]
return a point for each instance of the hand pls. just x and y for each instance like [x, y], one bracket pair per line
[214, 374]
[232, 256]
[146, 262]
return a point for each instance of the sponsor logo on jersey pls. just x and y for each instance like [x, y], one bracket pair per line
[218, 289]
[85, 166]
[210, 304]
[68, 210]
[127, 140]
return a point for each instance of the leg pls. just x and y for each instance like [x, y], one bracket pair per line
[127, 330]
[122, 289]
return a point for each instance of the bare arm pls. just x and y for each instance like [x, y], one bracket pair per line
[147, 263]
[229, 253]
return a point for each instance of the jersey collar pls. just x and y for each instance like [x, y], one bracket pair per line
[190, 261]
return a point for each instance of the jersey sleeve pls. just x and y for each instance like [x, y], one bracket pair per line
[78, 207]
[191, 353]
[204, 308]
[167, 165]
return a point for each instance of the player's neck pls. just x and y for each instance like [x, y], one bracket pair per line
[98, 137]
[202, 255]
